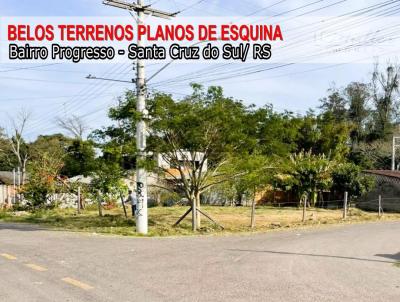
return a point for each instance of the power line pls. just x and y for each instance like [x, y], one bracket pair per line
[278, 14]
[207, 71]
[83, 95]
[28, 67]
[30, 98]
[191, 6]
[261, 9]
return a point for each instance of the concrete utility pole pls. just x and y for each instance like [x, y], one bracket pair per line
[141, 176]
[394, 146]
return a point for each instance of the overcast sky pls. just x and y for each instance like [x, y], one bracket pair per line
[62, 90]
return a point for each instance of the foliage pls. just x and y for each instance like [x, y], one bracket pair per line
[374, 155]
[107, 179]
[7, 161]
[324, 135]
[276, 133]
[205, 124]
[80, 158]
[385, 88]
[118, 142]
[253, 173]
[306, 174]
[78, 155]
[44, 170]
[357, 95]
[335, 105]
[50, 144]
[347, 177]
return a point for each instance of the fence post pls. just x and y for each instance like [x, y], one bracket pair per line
[346, 194]
[304, 207]
[99, 203]
[380, 206]
[79, 200]
[253, 212]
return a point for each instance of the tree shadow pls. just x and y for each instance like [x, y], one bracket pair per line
[395, 257]
[390, 256]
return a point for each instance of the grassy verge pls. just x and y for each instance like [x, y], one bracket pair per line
[161, 219]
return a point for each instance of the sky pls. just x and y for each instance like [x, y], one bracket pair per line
[62, 90]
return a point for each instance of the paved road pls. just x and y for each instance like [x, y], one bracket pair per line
[342, 263]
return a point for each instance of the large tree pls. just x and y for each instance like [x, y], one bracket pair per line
[16, 144]
[7, 160]
[385, 88]
[275, 133]
[74, 125]
[194, 136]
[117, 142]
[357, 95]
[80, 158]
[322, 134]
[334, 104]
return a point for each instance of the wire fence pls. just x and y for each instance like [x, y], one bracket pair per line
[379, 205]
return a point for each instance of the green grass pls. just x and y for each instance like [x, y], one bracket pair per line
[397, 264]
[161, 220]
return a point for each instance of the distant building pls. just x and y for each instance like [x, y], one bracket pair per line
[7, 193]
[184, 161]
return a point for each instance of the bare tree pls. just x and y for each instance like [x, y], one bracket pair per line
[16, 141]
[74, 125]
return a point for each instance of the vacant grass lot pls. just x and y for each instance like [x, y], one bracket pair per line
[161, 220]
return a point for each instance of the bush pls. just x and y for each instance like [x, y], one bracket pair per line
[348, 177]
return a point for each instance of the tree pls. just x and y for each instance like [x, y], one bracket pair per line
[275, 133]
[118, 142]
[322, 134]
[194, 136]
[307, 174]
[73, 125]
[44, 170]
[53, 144]
[17, 144]
[357, 97]
[7, 160]
[252, 173]
[373, 155]
[385, 88]
[335, 105]
[107, 181]
[347, 177]
[80, 158]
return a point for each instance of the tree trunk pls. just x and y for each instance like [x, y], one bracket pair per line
[158, 198]
[198, 214]
[99, 205]
[304, 208]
